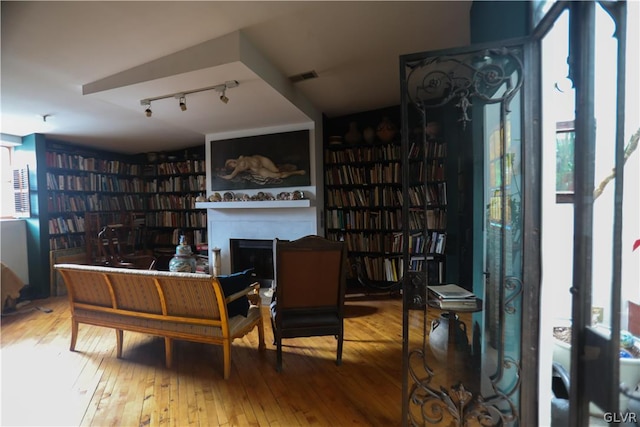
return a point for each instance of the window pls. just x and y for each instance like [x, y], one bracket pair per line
[565, 143]
[21, 192]
[13, 182]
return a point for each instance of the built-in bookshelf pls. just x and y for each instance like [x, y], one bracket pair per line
[80, 181]
[172, 184]
[428, 207]
[110, 187]
[363, 196]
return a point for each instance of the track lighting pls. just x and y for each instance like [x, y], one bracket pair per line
[147, 110]
[182, 96]
[223, 97]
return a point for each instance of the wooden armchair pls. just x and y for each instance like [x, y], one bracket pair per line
[310, 285]
[114, 253]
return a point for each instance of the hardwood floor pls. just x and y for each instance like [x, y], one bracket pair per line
[45, 384]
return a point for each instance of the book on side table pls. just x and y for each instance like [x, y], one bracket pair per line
[452, 297]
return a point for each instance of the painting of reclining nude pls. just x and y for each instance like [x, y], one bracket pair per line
[263, 161]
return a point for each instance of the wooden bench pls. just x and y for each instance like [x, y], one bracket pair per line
[184, 306]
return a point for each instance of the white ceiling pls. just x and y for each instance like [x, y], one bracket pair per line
[51, 50]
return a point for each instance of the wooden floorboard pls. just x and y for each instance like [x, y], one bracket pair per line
[43, 383]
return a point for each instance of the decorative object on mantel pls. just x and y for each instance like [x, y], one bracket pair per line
[258, 197]
[183, 261]
[386, 130]
[293, 195]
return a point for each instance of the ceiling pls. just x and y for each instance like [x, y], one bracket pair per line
[85, 65]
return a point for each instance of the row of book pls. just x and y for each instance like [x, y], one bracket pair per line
[378, 173]
[177, 219]
[177, 184]
[375, 197]
[181, 167]
[95, 182]
[429, 170]
[171, 201]
[70, 224]
[79, 162]
[430, 194]
[91, 164]
[432, 149]
[386, 152]
[66, 242]
[380, 268]
[115, 184]
[435, 219]
[93, 202]
[364, 219]
[429, 243]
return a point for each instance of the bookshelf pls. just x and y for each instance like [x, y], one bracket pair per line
[154, 200]
[427, 197]
[172, 183]
[81, 182]
[363, 193]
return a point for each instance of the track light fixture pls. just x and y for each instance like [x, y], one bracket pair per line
[147, 110]
[223, 97]
[182, 96]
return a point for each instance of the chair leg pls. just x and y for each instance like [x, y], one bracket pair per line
[74, 334]
[168, 352]
[261, 344]
[226, 349]
[279, 354]
[273, 330]
[119, 338]
[339, 352]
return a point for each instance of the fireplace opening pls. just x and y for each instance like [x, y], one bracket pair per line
[256, 254]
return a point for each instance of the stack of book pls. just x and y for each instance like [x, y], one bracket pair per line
[452, 297]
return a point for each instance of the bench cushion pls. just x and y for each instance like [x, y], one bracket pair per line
[233, 283]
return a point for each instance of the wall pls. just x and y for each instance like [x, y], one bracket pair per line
[266, 223]
[13, 247]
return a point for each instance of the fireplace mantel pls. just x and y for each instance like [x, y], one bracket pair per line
[304, 203]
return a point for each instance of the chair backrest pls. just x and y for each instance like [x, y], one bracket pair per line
[116, 250]
[309, 273]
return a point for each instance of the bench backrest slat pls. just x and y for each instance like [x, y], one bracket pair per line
[153, 292]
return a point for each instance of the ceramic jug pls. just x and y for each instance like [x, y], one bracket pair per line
[439, 336]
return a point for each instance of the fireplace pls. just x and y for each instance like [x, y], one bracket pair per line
[256, 254]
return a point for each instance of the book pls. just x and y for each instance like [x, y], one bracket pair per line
[454, 304]
[450, 291]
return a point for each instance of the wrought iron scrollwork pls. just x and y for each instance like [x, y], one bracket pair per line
[490, 76]
[457, 406]
[495, 76]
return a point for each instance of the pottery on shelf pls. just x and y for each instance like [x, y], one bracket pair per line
[386, 130]
[369, 135]
[353, 136]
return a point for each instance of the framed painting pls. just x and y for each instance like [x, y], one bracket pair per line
[262, 161]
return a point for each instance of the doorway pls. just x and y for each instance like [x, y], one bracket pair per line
[588, 225]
